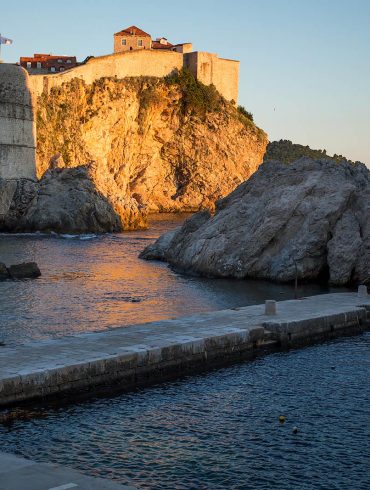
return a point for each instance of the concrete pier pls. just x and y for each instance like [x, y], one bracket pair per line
[20, 474]
[141, 354]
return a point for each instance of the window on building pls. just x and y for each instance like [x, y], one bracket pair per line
[52, 68]
[123, 42]
[59, 61]
[29, 64]
[38, 64]
[61, 68]
[69, 61]
[140, 43]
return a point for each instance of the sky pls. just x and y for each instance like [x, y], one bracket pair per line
[305, 64]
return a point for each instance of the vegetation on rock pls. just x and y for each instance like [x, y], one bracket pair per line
[287, 152]
[243, 112]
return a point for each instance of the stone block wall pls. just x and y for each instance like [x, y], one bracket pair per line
[138, 63]
[210, 69]
[131, 43]
[17, 126]
[206, 67]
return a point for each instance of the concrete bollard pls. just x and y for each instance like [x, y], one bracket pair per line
[270, 307]
[362, 291]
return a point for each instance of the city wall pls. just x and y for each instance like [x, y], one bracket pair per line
[120, 65]
[17, 125]
[19, 92]
[210, 69]
[207, 67]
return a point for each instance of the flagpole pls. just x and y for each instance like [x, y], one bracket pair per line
[0, 48]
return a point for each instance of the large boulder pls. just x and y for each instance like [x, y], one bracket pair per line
[66, 201]
[310, 217]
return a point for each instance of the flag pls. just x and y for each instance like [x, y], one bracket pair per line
[5, 40]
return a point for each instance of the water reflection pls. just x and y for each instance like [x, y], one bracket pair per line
[93, 282]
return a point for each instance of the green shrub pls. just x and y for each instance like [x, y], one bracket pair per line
[288, 152]
[197, 98]
[243, 111]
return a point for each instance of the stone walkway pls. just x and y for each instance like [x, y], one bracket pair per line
[128, 354]
[22, 474]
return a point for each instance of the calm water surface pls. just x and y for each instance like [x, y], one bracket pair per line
[92, 283]
[214, 431]
[220, 430]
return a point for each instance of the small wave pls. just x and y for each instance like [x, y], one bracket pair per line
[78, 237]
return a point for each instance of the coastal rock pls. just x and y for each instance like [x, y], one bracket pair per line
[311, 217]
[4, 273]
[26, 270]
[169, 144]
[68, 201]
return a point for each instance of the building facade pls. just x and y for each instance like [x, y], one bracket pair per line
[47, 63]
[133, 38]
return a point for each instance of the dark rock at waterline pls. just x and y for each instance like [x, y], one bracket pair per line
[26, 270]
[311, 217]
[4, 273]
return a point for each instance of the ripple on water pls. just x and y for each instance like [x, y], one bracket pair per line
[220, 430]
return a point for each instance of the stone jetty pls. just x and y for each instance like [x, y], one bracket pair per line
[20, 474]
[138, 355]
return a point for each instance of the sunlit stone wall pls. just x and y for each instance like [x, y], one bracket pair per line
[17, 126]
[206, 67]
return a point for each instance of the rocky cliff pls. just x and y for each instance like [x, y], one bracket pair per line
[311, 216]
[167, 144]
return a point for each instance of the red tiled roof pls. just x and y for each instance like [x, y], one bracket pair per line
[158, 45]
[46, 57]
[132, 31]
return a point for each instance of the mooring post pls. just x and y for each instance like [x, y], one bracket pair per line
[362, 291]
[270, 307]
[295, 280]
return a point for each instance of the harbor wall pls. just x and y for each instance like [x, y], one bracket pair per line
[125, 358]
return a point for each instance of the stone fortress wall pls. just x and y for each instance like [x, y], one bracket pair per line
[206, 67]
[210, 69]
[17, 125]
[19, 92]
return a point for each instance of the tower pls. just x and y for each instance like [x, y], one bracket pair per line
[17, 125]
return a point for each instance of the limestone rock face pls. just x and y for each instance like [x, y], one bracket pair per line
[144, 145]
[66, 201]
[313, 216]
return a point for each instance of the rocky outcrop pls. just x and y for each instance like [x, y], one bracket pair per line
[312, 217]
[25, 270]
[170, 144]
[65, 201]
[287, 152]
